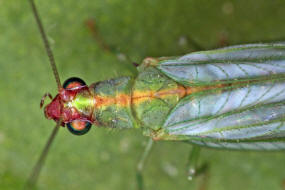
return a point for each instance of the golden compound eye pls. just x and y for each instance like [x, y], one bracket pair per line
[78, 127]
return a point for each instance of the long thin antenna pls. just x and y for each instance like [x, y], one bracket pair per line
[46, 44]
[37, 168]
[32, 180]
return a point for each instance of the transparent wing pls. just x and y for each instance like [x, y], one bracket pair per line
[264, 145]
[223, 65]
[245, 112]
[247, 115]
[221, 119]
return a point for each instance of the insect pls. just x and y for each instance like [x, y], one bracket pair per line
[226, 98]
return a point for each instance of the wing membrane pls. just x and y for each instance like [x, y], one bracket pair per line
[241, 113]
[268, 145]
[207, 105]
[250, 111]
[224, 65]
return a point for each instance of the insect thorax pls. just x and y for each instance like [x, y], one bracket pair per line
[113, 103]
[154, 95]
[143, 102]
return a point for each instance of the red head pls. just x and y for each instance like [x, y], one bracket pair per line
[57, 108]
[60, 108]
[53, 109]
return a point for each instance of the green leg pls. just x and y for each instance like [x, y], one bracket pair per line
[141, 164]
[203, 171]
[193, 160]
[194, 170]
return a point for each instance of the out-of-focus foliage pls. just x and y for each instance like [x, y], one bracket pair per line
[105, 159]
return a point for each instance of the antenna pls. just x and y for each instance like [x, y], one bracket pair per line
[46, 44]
[37, 168]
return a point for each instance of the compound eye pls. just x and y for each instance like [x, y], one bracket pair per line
[78, 127]
[73, 82]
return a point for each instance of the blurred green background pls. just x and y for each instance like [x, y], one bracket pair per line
[105, 159]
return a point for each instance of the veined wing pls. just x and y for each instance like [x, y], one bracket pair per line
[223, 65]
[250, 111]
[270, 145]
[239, 113]
[221, 119]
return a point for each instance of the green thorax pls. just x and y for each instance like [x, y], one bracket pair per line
[129, 103]
[113, 103]
[154, 95]
[143, 102]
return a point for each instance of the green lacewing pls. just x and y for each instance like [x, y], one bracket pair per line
[226, 98]
[230, 98]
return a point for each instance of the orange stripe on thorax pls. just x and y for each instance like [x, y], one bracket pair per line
[140, 96]
[119, 100]
[181, 91]
[124, 100]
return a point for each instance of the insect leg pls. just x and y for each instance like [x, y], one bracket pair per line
[193, 159]
[194, 170]
[141, 164]
[44, 97]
